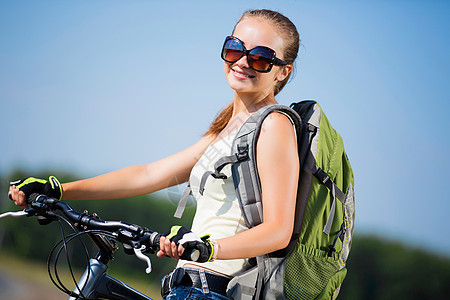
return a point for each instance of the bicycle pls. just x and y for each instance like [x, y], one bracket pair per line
[95, 283]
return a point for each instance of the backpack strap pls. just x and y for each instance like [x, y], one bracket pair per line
[241, 155]
[246, 177]
[243, 163]
[240, 152]
[183, 201]
[325, 179]
[245, 172]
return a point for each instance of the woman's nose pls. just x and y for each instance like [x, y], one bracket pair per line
[243, 62]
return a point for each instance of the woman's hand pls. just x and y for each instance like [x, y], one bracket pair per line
[180, 239]
[18, 197]
[21, 190]
[169, 249]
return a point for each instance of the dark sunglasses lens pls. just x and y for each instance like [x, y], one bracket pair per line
[260, 59]
[231, 55]
[232, 50]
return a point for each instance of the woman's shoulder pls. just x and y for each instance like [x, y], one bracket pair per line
[277, 123]
[277, 137]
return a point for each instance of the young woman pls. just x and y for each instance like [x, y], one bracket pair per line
[258, 61]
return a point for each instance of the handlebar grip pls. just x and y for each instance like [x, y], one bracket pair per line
[197, 251]
[194, 255]
[33, 197]
[154, 239]
[153, 242]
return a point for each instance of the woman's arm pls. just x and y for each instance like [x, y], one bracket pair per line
[278, 167]
[140, 179]
[132, 181]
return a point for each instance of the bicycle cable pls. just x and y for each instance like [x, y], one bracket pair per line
[66, 239]
[69, 239]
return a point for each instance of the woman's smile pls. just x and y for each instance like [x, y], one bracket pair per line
[239, 74]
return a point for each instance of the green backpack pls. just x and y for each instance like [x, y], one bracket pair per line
[313, 264]
[315, 268]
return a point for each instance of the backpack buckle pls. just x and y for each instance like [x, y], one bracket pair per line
[340, 235]
[242, 153]
[219, 175]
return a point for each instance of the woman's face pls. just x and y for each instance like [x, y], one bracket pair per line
[254, 32]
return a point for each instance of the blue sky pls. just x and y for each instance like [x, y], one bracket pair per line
[94, 86]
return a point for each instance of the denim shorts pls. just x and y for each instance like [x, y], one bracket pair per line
[186, 292]
[188, 283]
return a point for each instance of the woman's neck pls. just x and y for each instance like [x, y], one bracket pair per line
[250, 104]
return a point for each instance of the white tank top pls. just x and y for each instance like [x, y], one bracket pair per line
[218, 212]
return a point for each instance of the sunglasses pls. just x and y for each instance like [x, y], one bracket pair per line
[260, 58]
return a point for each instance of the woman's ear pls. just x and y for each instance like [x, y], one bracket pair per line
[284, 72]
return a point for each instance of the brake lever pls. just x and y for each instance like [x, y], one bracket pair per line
[141, 256]
[15, 214]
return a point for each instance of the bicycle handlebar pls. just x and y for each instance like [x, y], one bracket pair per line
[130, 234]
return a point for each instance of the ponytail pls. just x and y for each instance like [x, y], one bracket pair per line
[220, 121]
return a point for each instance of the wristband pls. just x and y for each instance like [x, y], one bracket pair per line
[215, 248]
